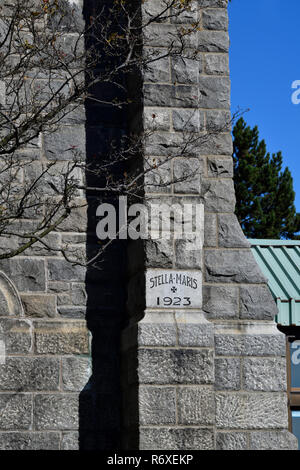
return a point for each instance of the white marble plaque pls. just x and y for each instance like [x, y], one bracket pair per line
[173, 289]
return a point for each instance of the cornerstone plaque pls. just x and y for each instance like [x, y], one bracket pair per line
[173, 289]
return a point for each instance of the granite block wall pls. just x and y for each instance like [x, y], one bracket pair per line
[43, 305]
[212, 377]
[60, 322]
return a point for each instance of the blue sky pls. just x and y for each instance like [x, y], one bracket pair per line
[264, 61]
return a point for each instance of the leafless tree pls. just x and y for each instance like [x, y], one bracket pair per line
[51, 63]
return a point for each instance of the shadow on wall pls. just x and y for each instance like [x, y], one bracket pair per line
[100, 400]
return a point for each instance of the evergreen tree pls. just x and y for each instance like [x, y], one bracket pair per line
[264, 192]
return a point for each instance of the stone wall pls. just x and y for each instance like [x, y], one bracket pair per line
[43, 306]
[61, 323]
[211, 377]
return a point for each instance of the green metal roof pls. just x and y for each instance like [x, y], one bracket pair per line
[279, 261]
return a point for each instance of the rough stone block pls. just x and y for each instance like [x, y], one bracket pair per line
[154, 11]
[159, 253]
[15, 411]
[158, 176]
[157, 405]
[29, 441]
[73, 238]
[77, 220]
[190, 366]
[43, 305]
[65, 143]
[158, 71]
[62, 270]
[76, 116]
[251, 411]
[219, 167]
[29, 374]
[168, 214]
[213, 3]
[61, 337]
[70, 441]
[215, 144]
[187, 173]
[176, 439]
[63, 299]
[250, 345]
[58, 287]
[9, 243]
[76, 372]
[58, 411]
[46, 181]
[213, 41]
[228, 374]
[68, 43]
[265, 375]
[157, 334]
[17, 336]
[210, 230]
[159, 35]
[38, 249]
[257, 303]
[169, 35]
[214, 92]
[187, 15]
[216, 64]
[27, 274]
[230, 232]
[78, 294]
[273, 440]
[187, 255]
[220, 302]
[231, 441]
[195, 334]
[70, 311]
[164, 145]
[159, 95]
[196, 406]
[157, 119]
[185, 70]
[232, 266]
[218, 195]
[187, 96]
[215, 19]
[188, 120]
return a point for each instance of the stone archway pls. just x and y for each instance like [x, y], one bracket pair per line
[10, 302]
